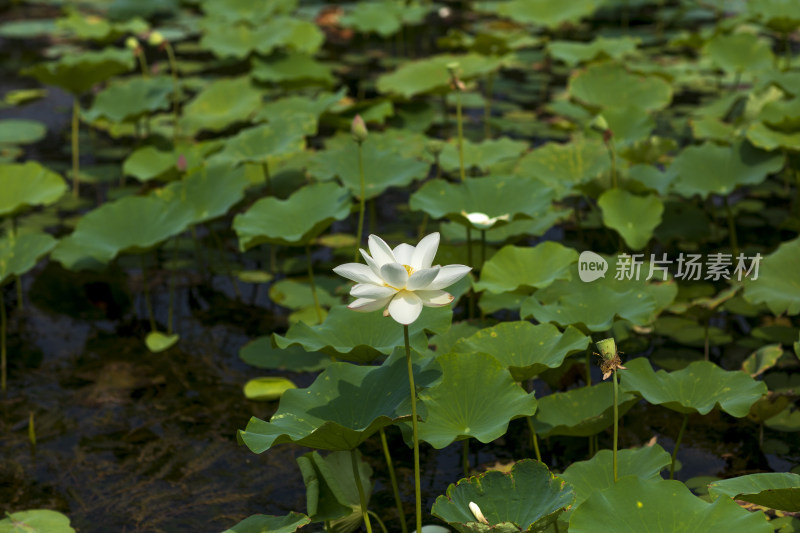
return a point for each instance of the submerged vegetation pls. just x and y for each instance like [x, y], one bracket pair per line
[512, 185]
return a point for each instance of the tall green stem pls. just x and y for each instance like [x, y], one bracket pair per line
[75, 148]
[487, 110]
[616, 420]
[313, 285]
[460, 125]
[414, 430]
[534, 438]
[677, 444]
[732, 229]
[176, 90]
[393, 478]
[361, 202]
[380, 522]
[483, 248]
[471, 297]
[3, 325]
[148, 303]
[361, 496]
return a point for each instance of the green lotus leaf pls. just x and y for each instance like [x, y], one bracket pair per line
[494, 196]
[262, 353]
[636, 505]
[500, 233]
[86, 27]
[20, 253]
[297, 295]
[35, 521]
[362, 337]
[629, 124]
[148, 163]
[431, 75]
[768, 407]
[774, 490]
[634, 217]
[537, 266]
[529, 498]
[267, 143]
[267, 389]
[77, 73]
[737, 164]
[580, 412]
[30, 28]
[787, 420]
[762, 136]
[21, 131]
[762, 359]
[132, 98]
[476, 397]
[481, 155]
[783, 115]
[542, 12]
[294, 221]
[239, 40]
[779, 291]
[690, 332]
[245, 10]
[157, 341]
[344, 406]
[133, 224]
[594, 306]
[779, 15]
[331, 492]
[383, 17]
[698, 388]
[740, 52]
[607, 84]
[382, 168]
[292, 67]
[26, 185]
[713, 129]
[596, 474]
[220, 104]
[121, 10]
[573, 53]
[564, 166]
[526, 350]
[261, 523]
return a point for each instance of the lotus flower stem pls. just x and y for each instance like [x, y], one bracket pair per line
[470, 263]
[313, 285]
[417, 488]
[487, 110]
[361, 202]
[616, 420]
[3, 326]
[361, 496]
[75, 148]
[534, 439]
[176, 91]
[395, 489]
[147, 302]
[678, 443]
[172, 286]
[380, 522]
[483, 247]
[460, 125]
[465, 457]
[732, 229]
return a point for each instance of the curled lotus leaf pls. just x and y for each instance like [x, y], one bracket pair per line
[261, 523]
[581, 412]
[525, 349]
[342, 408]
[36, 521]
[774, 287]
[698, 388]
[529, 498]
[634, 217]
[607, 84]
[636, 505]
[20, 253]
[483, 155]
[542, 12]
[77, 73]
[131, 98]
[514, 267]
[220, 104]
[572, 53]
[740, 52]
[27, 185]
[776, 490]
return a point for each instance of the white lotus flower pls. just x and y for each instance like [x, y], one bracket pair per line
[482, 220]
[401, 280]
[476, 512]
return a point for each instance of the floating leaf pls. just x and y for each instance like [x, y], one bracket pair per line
[774, 287]
[634, 217]
[607, 84]
[775, 490]
[542, 12]
[494, 196]
[239, 40]
[220, 104]
[698, 388]
[77, 73]
[294, 221]
[529, 498]
[362, 337]
[562, 167]
[26, 185]
[766, 138]
[483, 155]
[596, 474]
[292, 68]
[526, 350]
[148, 162]
[572, 53]
[737, 164]
[344, 406]
[35, 521]
[261, 523]
[514, 267]
[267, 143]
[476, 397]
[635, 505]
[740, 52]
[580, 412]
[267, 389]
[132, 98]
[779, 15]
[263, 354]
[21, 131]
[158, 342]
[20, 253]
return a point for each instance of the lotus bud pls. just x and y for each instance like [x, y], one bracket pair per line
[132, 43]
[599, 123]
[434, 147]
[155, 39]
[476, 512]
[359, 129]
[182, 165]
[455, 82]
